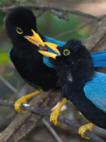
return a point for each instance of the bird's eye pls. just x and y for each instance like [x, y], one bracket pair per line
[66, 52]
[19, 30]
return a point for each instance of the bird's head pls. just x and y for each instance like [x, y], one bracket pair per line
[72, 57]
[19, 23]
[71, 53]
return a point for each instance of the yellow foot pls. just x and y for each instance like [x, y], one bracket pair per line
[87, 127]
[56, 112]
[54, 116]
[24, 100]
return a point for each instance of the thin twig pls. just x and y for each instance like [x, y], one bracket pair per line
[53, 132]
[61, 119]
[22, 125]
[5, 9]
[7, 121]
[8, 85]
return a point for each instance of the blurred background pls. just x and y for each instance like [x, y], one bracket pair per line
[60, 27]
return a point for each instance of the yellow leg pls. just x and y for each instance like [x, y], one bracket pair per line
[55, 113]
[23, 100]
[87, 127]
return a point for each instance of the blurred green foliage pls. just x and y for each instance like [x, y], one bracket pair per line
[1, 21]
[6, 2]
[47, 24]
[4, 58]
[11, 2]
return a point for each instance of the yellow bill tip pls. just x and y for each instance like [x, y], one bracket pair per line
[35, 39]
[53, 47]
[47, 54]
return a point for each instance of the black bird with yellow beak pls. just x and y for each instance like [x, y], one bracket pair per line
[72, 62]
[21, 25]
[79, 83]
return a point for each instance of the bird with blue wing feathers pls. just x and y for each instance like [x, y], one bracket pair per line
[21, 22]
[30, 56]
[79, 83]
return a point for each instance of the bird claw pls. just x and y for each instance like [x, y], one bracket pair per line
[54, 116]
[18, 105]
[56, 112]
[87, 127]
[23, 100]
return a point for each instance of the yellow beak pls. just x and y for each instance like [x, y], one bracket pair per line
[48, 54]
[36, 40]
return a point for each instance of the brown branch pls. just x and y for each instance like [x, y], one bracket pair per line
[45, 112]
[11, 87]
[52, 131]
[68, 122]
[7, 8]
[97, 38]
[21, 125]
[7, 121]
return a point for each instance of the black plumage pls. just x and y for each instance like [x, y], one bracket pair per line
[74, 69]
[24, 55]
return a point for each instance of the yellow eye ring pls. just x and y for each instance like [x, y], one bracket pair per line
[66, 52]
[19, 30]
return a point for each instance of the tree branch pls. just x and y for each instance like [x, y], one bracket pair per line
[55, 135]
[97, 39]
[45, 112]
[7, 8]
[21, 125]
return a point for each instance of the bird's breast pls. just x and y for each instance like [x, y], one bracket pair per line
[30, 66]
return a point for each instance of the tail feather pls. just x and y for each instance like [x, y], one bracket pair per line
[99, 56]
[99, 63]
[99, 59]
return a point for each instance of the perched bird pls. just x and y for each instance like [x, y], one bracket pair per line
[79, 83]
[35, 69]
[25, 56]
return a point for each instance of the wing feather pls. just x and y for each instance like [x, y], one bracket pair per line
[95, 91]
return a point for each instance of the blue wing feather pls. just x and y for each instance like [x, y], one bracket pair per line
[99, 58]
[99, 55]
[9, 53]
[95, 91]
[52, 40]
[99, 63]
